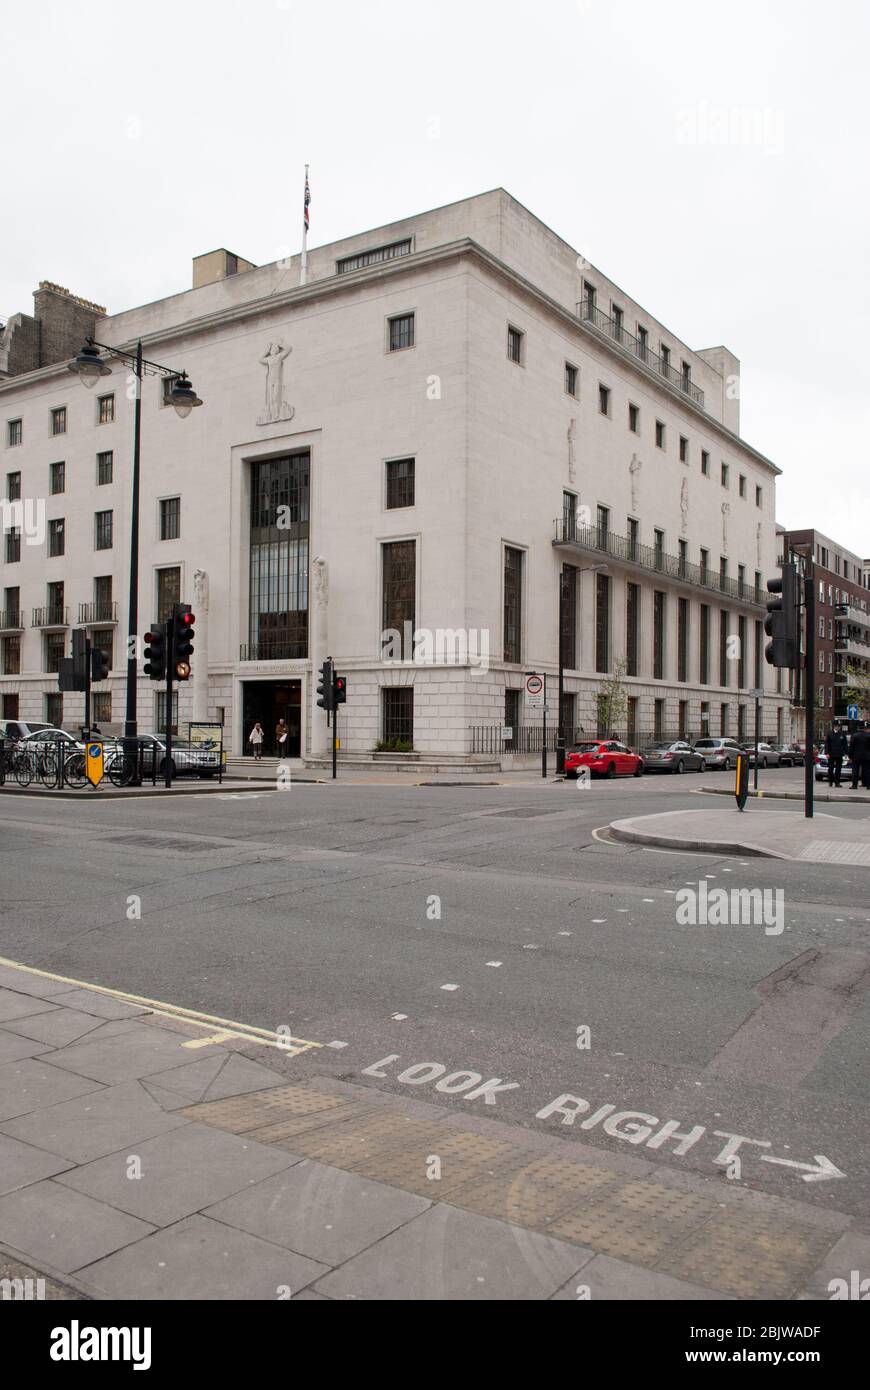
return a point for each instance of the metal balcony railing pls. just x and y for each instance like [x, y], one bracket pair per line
[277, 650]
[11, 620]
[635, 347]
[606, 544]
[54, 616]
[100, 611]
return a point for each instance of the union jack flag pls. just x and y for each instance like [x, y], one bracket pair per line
[307, 201]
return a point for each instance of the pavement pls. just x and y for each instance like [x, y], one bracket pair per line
[145, 1153]
[756, 830]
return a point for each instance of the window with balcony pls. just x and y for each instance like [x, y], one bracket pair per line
[11, 615]
[399, 483]
[513, 604]
[602, 521]
[633, 538]
[56, 541]
[55, 612]
[683, 567]
[659, 548]
[569, 516]
[617, 318]
[400, 332]
[105, 462]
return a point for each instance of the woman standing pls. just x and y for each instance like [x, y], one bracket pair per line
[282, 738]
[255, 739]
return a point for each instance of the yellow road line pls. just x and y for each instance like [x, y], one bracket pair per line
[248, 1031]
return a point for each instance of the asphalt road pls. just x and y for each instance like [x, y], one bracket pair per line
[477, 929]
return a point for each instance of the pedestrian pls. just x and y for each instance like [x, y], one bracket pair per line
[255, 739]
[836, 745]
[859, 752]
[282, 738]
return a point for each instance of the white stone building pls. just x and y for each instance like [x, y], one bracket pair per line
[451, 410]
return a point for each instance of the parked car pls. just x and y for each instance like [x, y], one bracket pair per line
[186, 756]
[767, 755]
[718, 752]
[673, 757]
[790, 754]
[821, 768]
[16, 729]
[604, 758]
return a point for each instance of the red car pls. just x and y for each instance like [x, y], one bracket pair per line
[604, 758]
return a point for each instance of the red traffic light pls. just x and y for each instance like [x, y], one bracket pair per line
[187, 619]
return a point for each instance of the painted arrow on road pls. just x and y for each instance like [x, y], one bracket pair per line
[824, 1170]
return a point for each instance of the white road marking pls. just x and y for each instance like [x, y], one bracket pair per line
[337, 1044]
[400, 1018]
[598, 921]
[494, 963]
[449, 986]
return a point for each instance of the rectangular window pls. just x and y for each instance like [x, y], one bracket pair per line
[603, 526]
[589, 294]
[684, 449]
[602, 622]
[705, 463]
[634, 418]
[13, 545]
[401, 332]
[723, 648]
[54, 709]
[633, 536]
[724, 720]
[631, 731]
[170, 518]
[102, 706]
[12, 656]
[642, 341]
[55, 648]
[741, 723]
[683, 730]
[603, 400]
[568, 717]
[724, 475]
[56, 613]
[632, 615]
[741, 484]
[278, 593]
[658, 635]
[56, 478]
[723, 572]
[569, 516]
[397, 715]
[168, 592]
[11, 614]
[759, 679]
[757, 592]
[568, 611]
[683, 567]
[56, 537]
[400, 483]
[104, 467]
[515, 345]
[160, 711]
[741, 580]
[102, 530]
[660, 434]
[14, 433]
[513, 604]
[682, 639]
[659, 718]
[103, 607]
[758, 497]
[373, 257]
[13, 487]
[106, 409]
[617, 319]
[665, 354]
[705, 717]
[570, 380]
[659, 548]
[741, 653]
[104, 641]
[399, 588]
[58, 420]
[512, 718]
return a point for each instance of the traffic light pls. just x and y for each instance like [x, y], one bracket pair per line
[155, 653]
[80, 657]
[339, 690]
[782, 623]
[324, 687]
[99, 664]
[182, 641]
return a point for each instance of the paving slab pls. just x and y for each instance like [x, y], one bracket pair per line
[58, 1028]
[12, 1047]
[240, 1076]
[104, 1005]
[22, 1164]
[15, 1005]
[202, 1259]
[182, 1171]
[448, 1254]
[849, 1261]
[191, 1082]
[25, 982]
[65, 1228]
[322, 1212]
[97, 1124]
[757, 830]
[604, 1278]
[33, 1083]
[139, 1051]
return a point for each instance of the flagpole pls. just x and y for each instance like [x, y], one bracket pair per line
[303, 274]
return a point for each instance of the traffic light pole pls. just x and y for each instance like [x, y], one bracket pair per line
[169, 630]
[88, 687]
[810, 694]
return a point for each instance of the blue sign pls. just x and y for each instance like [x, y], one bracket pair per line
[851, 711]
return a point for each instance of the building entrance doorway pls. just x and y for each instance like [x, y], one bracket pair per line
[270, 701]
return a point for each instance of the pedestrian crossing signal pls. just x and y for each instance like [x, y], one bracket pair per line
[339, 690]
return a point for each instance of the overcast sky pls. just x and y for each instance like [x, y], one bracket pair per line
[710, 158]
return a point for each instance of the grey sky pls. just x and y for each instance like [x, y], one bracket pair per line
[712, 159]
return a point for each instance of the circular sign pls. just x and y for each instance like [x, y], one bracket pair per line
[95, 750]
[534, 685]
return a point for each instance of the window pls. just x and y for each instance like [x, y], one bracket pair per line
[603, 526]
[401, 332]
[724, 720]
[684, 449]
[723, 648]
[106, 409]
[512, 718]
[741, 580]
[104, 467]
[741, 723]
[632, 614]
[633, 529]
[741, 653]
[705, 717]
[397, 714]
[665, 354]
[634, 418]
[160, 711]
[568, 613]
[602, 622]
[723, 572]
[741, 485]
[56, 537]
[705, 463]
[682, 639]
[513, 604]
[603, 400]
[684, 559]
[757, 594]
[54, 709]
[659, 718]
[58, 420]
[12, 656]
[103, 608]
[170, 518]
[758, 497]
[515, 345]
[11, 614]
[400, 483]
[631, 731]
[101, 701]
[704, 646]
[658, 635]
[569, 516]
[279, 568]
[571, 377]
[642, 341]
[13, 545]
[399, 568]
[13, 487]
[56, 478]
[723, 477]
[102, 530]
[568, 717]
[14, 433]
[168, 592]
[618, 319]
[821, 627]
[683, 730]
[56, 612]
[659, 548]
[104, 641]
[660, 434]
[685, 375]
[705, 566]
[55, 649]
[373, 257]
[589, 294]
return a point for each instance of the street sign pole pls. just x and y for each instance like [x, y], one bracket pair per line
[757, 738]
[169, 629]
[544, 733]
[810, 694]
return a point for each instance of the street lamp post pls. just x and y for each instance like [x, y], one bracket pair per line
[560, 722]
[89, 366]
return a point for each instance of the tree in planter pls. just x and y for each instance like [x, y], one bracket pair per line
[857, 690]
[612, 700]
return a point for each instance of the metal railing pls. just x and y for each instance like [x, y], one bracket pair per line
[55, 615]
[100, 611]
[278, 650]
[528, 738]
[11, 620]
[637, 348]
[649, 557]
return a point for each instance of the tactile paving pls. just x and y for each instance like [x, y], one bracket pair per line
[238, 1114]
[640, 1221]
[534, 1192]
[750, 1253]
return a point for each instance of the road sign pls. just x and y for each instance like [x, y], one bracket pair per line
[741, 780]
[94, 763]
[851, 711]
[507, 732]
[534, 691]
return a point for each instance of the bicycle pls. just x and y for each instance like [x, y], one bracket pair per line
[74, 773]
[24, 767]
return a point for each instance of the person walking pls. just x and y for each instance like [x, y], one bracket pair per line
[859, 752]
[255, 739]
[282, 738]
[836, 745]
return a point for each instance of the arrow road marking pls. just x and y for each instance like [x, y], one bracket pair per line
[825, 1168]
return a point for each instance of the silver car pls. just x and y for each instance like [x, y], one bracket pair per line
[673, 757]
[718, 752]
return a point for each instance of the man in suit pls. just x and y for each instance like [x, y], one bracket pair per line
[836, 745]
[859, 752]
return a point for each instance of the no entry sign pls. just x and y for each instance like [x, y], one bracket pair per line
[534, 690]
